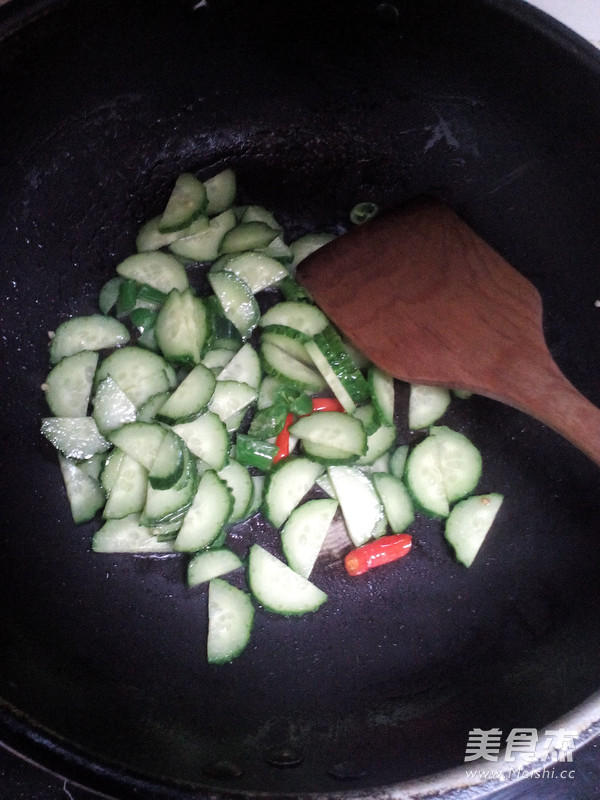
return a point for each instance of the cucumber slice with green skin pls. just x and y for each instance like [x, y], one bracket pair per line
[109, 294]
[159, 270]
[128, 492]
[304, 533]
[382, 390]
[112, 407]
[230, 621]
[68, 385]
[237, 301]
[278, 588]
[378, 444]
[334, 429]
[150, 237]
[256, 213]
[397, 464]
[238, 479]
[247, 236]
[220, 191]
[208, 514]
[460, 462]
[217, 359]
[207, 438]
[337, 367]
[127, 535]
[190, 397]
[280, 251]
[360, 505]
[369, 417]
[425, 480]
[397, 503]
[209, 564]
[426, 405]
[187, 202]
[203, 245]
[279, 364]
[258, 487]
[289, 344]
[140, 440]
[469, 523]
[94, 332]
[110, 469]
[231, 397]
[167, 467]
[164, 505]
[307, 244]
[140, 373]
[259, 271]
[75, 437]
[243, 367]
[182, 327]
[303, 317]
[84, 493]
[286, 485]
[147, 411]
[327, 455]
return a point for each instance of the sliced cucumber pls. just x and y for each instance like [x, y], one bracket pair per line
[460, 462]
[287, 339]
[426, 405]
[209, 564]
[360, 505]
[280, 364]
[327, 455]
[203, 245]
[207, 438]
[238, 479]
[307, 244]
[230, 621]
[256, 213]
[259, 271]
[247, 236]
[164, 505]
[68, 385]
[425, 479]
[182, 327]
[237, 301]
[140, 373]
[128, 492]
[150, 237]
[75, 437]
[468, 524]
[167, 466]
[395, 497]
[304, 533]
[334, 362]
[220, 191]
[190, 397]
[94, 332]
[159, 270]
[382, 389]
[231, 397]
[397, 465]
[278, 588]
[286, 486]
[127, 535]
[208, 514]
[140, 440]
[243, 367]
[303, 317]
[112, 407]
[84, 492]
[187, 202]
[378, 444]
[334, 429]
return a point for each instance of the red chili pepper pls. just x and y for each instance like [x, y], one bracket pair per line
[283, 440]
[326, 404]
[374, 554]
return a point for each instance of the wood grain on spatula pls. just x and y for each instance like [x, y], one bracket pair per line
[425, 298]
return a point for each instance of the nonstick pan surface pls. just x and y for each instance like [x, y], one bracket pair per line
[317, 106]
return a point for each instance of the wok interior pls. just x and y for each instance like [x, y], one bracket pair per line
[104, 104]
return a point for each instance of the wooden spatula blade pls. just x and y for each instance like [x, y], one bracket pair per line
[429, 301]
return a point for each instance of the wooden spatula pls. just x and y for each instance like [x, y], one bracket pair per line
[425, 298]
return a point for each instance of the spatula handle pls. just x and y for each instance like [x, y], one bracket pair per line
[541, 390]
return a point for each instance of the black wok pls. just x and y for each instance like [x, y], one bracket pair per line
[317, 105]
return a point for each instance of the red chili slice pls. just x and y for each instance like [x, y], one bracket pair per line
[374, 554]
[283, 440]
[326, 404]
